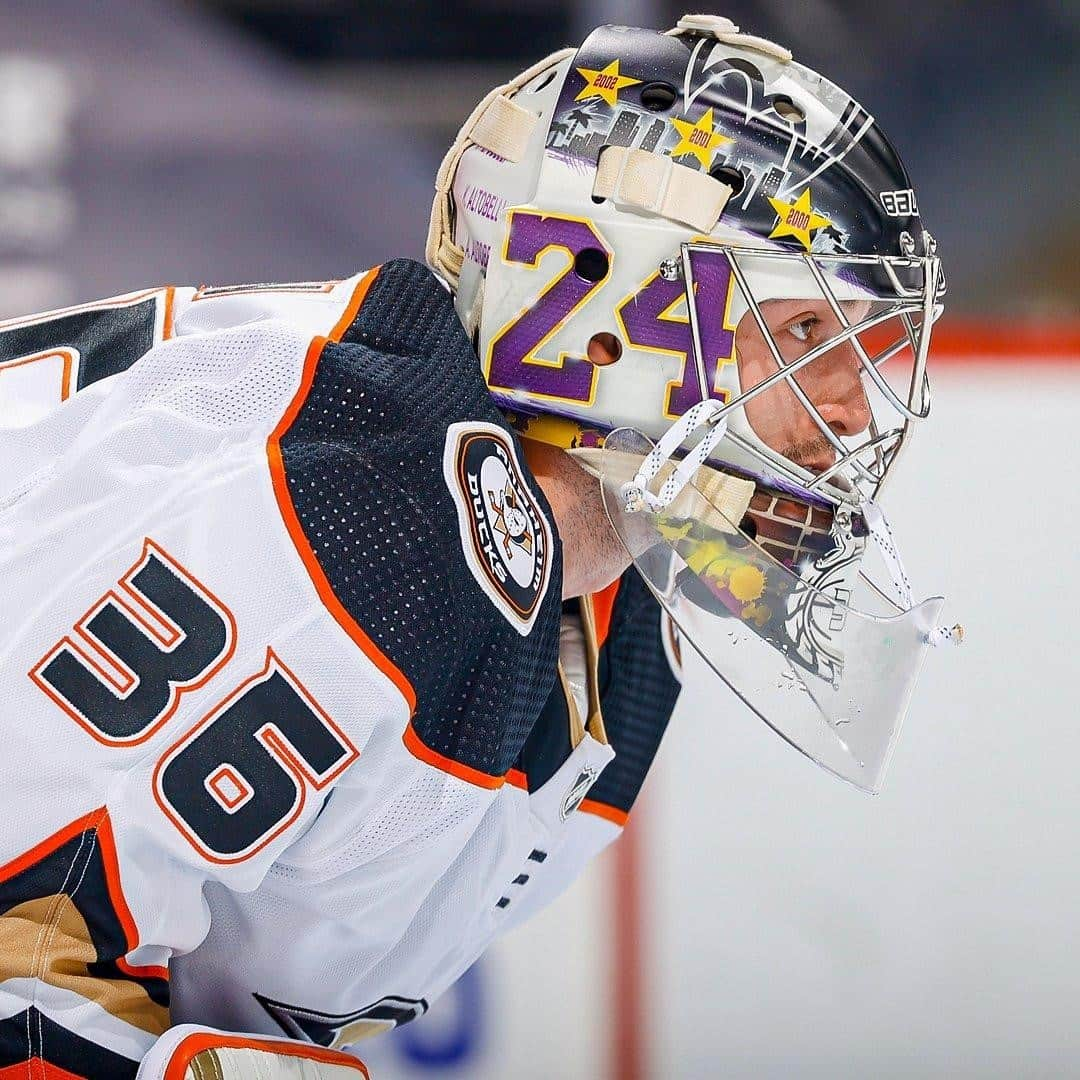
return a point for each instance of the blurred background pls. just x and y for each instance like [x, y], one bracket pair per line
[166, 140]
[759, 919]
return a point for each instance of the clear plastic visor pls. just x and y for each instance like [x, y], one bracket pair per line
[814, 651]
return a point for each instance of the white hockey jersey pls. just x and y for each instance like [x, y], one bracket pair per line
[286, 741]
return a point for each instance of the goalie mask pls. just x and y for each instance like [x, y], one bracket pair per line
[699, 266]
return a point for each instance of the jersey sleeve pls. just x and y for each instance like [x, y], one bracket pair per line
[66, 357]
[408, 500]
[47, 358]
[69, 357]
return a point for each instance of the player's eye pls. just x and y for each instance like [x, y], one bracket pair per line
[803, 328]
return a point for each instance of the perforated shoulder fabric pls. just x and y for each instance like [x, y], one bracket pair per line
[363, 465]
[637, 692]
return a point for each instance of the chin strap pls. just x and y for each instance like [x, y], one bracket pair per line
[882, 536]
[497, 125]
[636, 494]
[652, 182]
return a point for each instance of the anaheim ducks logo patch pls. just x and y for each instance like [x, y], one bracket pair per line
[505, 537]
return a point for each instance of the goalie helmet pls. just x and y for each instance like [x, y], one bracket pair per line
[689, 237]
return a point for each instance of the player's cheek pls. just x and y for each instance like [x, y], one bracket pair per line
[777, 417]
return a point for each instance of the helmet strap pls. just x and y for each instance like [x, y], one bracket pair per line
[645, 180]
[502, 128]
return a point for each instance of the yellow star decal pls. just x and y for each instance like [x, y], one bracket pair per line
[798, 219]
[698, 139]
[604, 84]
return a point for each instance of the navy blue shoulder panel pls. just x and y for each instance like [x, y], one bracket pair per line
[637, 692]
[107, 338]
[363, 463]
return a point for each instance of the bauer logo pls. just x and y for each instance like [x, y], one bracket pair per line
[505, 537]
[900, 204]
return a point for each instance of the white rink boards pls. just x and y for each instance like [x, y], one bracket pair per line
[793, 926]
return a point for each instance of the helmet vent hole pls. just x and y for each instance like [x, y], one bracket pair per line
[726, 174]
[591, 264]
[599, 154]
[658, 96]
[787, 110]
[545, 80]
[604, 349]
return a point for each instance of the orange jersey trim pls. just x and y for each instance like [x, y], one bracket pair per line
[355, 302]
[37, 1068]
[516, 778]
[170, 303]
[424, 753]
[603, 605]
[609, 813]
[120, 906]
[39, 851]
[193, 1045]
[304, 548]
[99, 821]
[66, 357]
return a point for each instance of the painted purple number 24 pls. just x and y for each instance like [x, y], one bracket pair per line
[514, 363]
[645, 318]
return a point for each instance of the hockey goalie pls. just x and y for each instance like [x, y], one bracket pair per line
[340, 621]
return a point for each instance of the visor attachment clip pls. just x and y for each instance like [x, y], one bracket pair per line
[946, 635]
[636, 494]
[671, 270]
[882, 536]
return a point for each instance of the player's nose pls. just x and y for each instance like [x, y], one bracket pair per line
[843, 404]
[849, 416]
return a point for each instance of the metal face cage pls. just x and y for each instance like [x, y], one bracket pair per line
[905, 293]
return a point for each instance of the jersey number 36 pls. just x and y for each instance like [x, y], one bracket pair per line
[240, 776]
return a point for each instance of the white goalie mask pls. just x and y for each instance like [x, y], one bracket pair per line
[700, 267]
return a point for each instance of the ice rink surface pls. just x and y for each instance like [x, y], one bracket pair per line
[794, 927]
